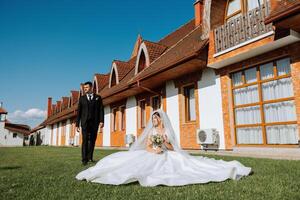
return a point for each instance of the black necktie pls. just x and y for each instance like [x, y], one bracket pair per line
[90, 97]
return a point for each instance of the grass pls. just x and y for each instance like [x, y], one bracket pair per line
[49, 173]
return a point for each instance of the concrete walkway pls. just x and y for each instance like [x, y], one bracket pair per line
[271, 153]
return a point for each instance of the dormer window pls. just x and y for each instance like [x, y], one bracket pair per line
[142, 62]
[236, 8]
[143, 59]
[113, 79]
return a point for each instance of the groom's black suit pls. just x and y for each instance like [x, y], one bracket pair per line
[90, 114]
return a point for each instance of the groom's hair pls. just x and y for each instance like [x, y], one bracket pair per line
[88, 83]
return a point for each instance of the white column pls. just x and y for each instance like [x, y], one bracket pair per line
[48, 135]
[106, 128]
[54, 135]
[59, 130]
[173, 107]
[210, 103]
[131, 118]
[68, 129]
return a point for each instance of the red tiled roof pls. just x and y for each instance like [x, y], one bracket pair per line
[176, 35]
[63, 115]
[18, 128]
[58, 106]
[123, 68]
[175, 47]
[3, 111]
[74, 96]
[186, 47]
[154, 49]
[283, 9]
[102, 81]
[65, 102]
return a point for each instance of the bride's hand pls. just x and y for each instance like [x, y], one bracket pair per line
[158, 150]
[166, 139]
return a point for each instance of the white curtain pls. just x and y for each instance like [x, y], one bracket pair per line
[254, 4]
[282, 134]
[233, 6]
[247, 115]
[237, 78]
[192, 106]
[250, 75]
[283, 66]
[280, 112]
[277, 89]
[249, 135]
[246, 95]
[266, 71]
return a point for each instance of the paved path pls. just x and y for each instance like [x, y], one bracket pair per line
[272, 153]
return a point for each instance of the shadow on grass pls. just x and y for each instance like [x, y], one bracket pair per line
[10, 167]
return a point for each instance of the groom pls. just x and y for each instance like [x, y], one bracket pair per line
[91, 116]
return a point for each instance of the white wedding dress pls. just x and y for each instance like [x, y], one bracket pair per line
[171, 168]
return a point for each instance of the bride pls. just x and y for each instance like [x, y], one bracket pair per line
[156, 159]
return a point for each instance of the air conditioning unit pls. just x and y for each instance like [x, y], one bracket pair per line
[207, 136]
[129, 138]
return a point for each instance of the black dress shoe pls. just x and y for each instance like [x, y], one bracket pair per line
[91, 160]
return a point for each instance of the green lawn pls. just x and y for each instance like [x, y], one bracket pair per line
[49, 173]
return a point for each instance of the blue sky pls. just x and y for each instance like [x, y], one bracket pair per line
[47, 48]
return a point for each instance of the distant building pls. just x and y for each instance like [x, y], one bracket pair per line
[12, 134]
[38, 135]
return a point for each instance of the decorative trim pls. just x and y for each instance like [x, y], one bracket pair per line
[244, 43]
[144, 49]
[115, 70]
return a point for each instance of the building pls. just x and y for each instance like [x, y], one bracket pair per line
[12, 134]
[234, 68]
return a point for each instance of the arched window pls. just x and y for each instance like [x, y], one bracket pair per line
[236, 8]
[142, 62]
[113, 78]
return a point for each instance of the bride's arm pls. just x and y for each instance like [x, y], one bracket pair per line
[167, 143]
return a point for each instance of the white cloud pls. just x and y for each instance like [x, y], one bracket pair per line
[31, 117]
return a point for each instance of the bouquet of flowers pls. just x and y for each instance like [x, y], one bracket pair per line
[157, 140]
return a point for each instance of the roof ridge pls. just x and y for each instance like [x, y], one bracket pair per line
[177, 29]
[171, 47]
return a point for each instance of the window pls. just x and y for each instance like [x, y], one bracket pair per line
[114, 119]
[142, 62]
[15, 135]
[142, 105]
[264, 104]
[190, 108]
[122, 109]
[113, 78]
[156, 102]
[236, 8]
[2, 117]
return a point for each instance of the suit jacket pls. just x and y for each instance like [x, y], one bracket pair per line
[96, 111]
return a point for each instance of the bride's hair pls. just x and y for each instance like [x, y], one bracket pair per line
[157, 114]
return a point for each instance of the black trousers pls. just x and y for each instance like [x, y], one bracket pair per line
[89, 136]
